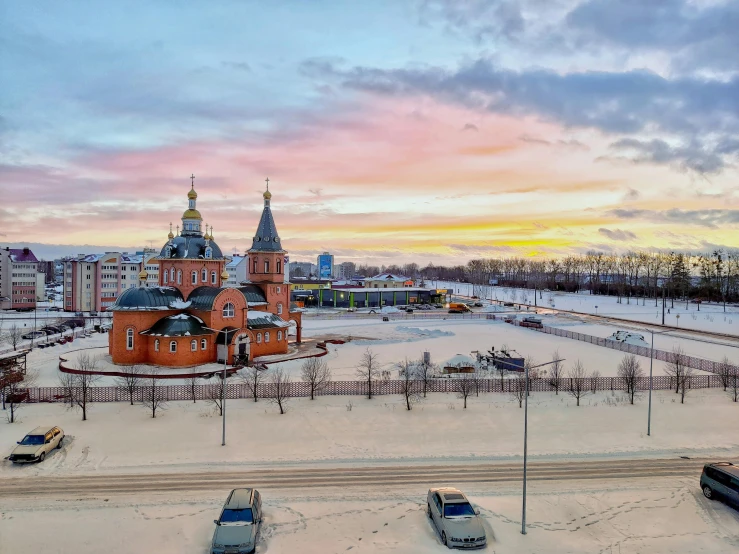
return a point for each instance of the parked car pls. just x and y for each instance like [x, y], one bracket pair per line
[93, 313]
[79, 314]
[55, 309]
[409, 310]
[37, 444]
[33, 335]
[238, 525]
[456, 521]
[478, 304]
[720, 481]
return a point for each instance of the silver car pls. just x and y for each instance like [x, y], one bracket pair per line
[238, 526]
[37, 444]
[455, 519]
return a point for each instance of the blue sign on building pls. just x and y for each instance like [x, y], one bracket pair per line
[325, 266]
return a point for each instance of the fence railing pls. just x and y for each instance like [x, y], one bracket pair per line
[481, 385]
[662, 355]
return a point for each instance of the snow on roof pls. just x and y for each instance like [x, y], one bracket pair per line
[460, 360]
[179, 304]
[387, 277]
[22, 255]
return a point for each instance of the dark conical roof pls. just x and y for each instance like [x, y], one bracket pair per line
[266, 238]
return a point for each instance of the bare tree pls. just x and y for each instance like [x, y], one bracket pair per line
[410, 387]
[316, 373]
[192, 384]
[15, 391]
[368, 369]
[279, 389]
[684, 382]
[630, 372]
[131, 381]
[518, 388]
[153, 396]
[82, 383]
[424, 372]
[214, 395]
[724, 371]
[594, 376]
[556, 372]
[577, 386]
[676, 366]
[734, 384]
[464, 387]
[14, 336]
[252, 378]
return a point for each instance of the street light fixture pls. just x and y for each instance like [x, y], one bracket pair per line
[651, 363]
[223, 387]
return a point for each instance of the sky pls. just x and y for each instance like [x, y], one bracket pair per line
[391, 131]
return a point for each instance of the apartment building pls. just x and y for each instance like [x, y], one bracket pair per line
[236, 269]
[93, 282]
[18, 278]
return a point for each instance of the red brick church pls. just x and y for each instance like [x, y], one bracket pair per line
[191, 318]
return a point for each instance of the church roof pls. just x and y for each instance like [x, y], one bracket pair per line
[191, 247]
[202, 298]
[147, 298]
[264, 320]
[253, 293]
[266, 239]
[180, 325]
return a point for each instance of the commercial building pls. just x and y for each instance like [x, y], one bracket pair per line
[93, 282]
[18, 270]
[325, 266]
[363, 297]
[305, 291]
[191, 317]
[386, 281]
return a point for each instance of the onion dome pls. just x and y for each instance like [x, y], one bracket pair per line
[224, 275]
[170, 236]
[192, 214]
[267, 195]
[192, 195]
[143, 275]
[147, 298]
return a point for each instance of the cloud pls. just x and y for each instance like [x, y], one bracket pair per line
[706, 218]
[570, 143]
[479, 19]
[631, 195]
[470, 127]
[241, 66]
[693, 157]
[617, 234]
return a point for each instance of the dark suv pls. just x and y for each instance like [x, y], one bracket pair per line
[721, 481]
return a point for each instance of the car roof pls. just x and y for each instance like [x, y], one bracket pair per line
[727, 467]
[239, 498]
[41, 430]
[451, 495]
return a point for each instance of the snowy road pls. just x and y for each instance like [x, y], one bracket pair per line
[423, 476]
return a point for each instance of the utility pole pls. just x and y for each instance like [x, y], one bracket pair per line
[663, 303]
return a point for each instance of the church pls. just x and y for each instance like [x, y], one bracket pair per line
[191, 317]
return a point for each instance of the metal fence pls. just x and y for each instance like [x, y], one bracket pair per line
[481, 385]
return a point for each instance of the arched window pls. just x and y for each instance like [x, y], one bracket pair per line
[279, 308]
[179, 276]
[259, 338]
[266, 266]
[166, 277]
[213, 277]
[279, 336]
[173, 346]
[194, 277]
[203, 344]
[193, 345]
[228, 310]
[171, 275]
[266, 336]
[204, 275]
[278, 266]
[129, 339]
[156, 345]
[255, 266]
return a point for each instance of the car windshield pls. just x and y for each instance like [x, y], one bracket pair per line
[32, 440]
[237, 516]
[458, 510]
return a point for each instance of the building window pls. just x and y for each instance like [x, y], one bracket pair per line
[228, 310]
[171, 275]
[213, 277]
[266, 266]
[208, 253]
[204, 275]
[278, 266]
[279, 335]
[179, 276]
[193, 345]
[259, 338]
[279, 308]
[156, 345]
[166, 277]
[194, 277]
[173, 346]
[203, 344]
[266, 336]
[278, 290]
[129, 339]
[255, 266]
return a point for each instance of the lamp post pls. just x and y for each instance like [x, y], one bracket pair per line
[651, 363]
[678, 320]
[525, 439]
[596, 310]
[223, 387]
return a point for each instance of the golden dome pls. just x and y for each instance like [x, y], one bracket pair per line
[170, 235]
[267, 195]
[143, 275]
[192, 195]
[224, 275]
[192, 214]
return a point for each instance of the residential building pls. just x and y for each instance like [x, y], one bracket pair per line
[93, 282]
[47, 268]
[18, 269]
[236, 269]
[345, 271]
[387, 281]
[302, 269]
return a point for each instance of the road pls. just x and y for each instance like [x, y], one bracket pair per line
[296, 478]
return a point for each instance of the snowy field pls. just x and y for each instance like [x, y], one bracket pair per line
[353, 430]
[711, 317]
[656, 516]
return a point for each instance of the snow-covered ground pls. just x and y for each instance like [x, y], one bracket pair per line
[348, 429]
[711, 317]
[658, 516]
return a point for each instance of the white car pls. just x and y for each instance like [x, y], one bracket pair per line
[455, 519]
[37, 444]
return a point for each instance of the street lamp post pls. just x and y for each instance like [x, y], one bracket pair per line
[651, 363]
[223, 387]
[525, 439]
